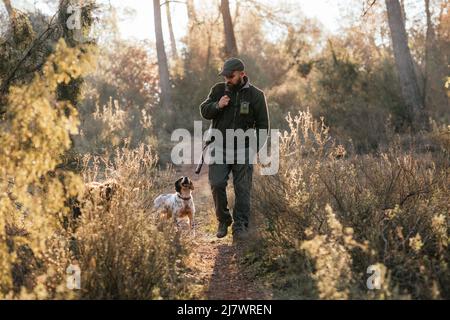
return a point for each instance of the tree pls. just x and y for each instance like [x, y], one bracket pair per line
[8, 7]
[230, 40]
[173, 43]
[75, 33]
[21, 52]
[434, 90]
[405, 66]
[192, 15]
[402, 5]
[202, 44]
[33, 189]
[163, 67]
[192, 23]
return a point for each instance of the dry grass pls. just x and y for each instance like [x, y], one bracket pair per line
[391, 208]
[123, 252]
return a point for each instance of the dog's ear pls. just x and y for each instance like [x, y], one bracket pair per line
[178, 185]
[109, 190]
[191, 185]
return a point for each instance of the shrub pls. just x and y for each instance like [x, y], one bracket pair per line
[33, 137]
[123, 252]
[392, 203]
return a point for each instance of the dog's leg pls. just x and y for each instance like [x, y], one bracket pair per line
[163, 215]
[175, 221]
[191, 222]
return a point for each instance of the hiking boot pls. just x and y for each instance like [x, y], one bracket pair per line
[222, 230]
[240, 235]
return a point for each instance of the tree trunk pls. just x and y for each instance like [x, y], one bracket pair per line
[230, 40]
[192, 22]
[405, 66]
[237, 13]
[192, 15]
[429, 42]
[208, 52]
[8, 7]
[402, 5]
[162, 58]
[173, 44]
[434, 92]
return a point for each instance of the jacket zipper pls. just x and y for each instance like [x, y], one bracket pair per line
[236, 107]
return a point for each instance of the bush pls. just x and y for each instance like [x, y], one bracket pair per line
[110, 126]
[122, 251]
[389, 208]
[33, 191]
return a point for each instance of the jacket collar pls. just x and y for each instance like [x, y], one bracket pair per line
[247, 83]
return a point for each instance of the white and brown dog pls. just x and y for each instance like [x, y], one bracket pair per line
[179, 204]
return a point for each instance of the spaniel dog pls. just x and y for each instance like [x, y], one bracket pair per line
[179, 204]
[95, 193]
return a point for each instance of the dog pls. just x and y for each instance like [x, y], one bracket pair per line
[179, 204]
[95, 193]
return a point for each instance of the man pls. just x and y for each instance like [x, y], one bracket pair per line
[234, 104]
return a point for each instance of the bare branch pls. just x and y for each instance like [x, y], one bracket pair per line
[171, 1]
[371, 4]
[38, 41]
[9, 7]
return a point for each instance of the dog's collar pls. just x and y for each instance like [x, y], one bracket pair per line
[179, 196]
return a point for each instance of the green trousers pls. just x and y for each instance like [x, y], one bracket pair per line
[242, 182]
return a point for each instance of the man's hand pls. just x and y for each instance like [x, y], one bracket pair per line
[224, 102]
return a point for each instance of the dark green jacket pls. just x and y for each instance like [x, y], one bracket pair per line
[236, 115]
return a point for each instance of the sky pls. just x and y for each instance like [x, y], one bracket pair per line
[139, 24]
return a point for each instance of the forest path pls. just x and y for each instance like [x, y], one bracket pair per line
[214, 263]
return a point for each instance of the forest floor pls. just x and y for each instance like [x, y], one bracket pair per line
[215, 266]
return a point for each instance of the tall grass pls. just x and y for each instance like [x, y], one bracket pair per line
[123, 252]
[330, 214]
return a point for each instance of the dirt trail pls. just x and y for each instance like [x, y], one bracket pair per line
[215, 267]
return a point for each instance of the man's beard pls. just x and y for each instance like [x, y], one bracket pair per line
[235, 86]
